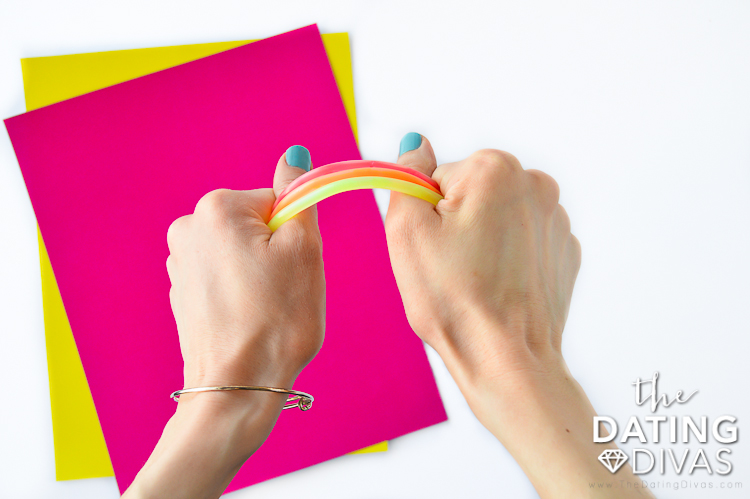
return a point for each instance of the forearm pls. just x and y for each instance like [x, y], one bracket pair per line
[544, 418]
[205, 443]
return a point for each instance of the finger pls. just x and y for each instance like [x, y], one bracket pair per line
[257, 204]
[228, 208]
[444, 173]
[415, 152]
[294, 163]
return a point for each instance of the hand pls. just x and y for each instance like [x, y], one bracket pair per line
[249, 304]
[487, 275]
[486, 278]
[250, 310]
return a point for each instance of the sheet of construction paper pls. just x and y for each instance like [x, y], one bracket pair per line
[80, 451]
[107, 172]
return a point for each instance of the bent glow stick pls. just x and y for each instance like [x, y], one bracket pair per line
[352, 184]
[351, 165]
[320, 181]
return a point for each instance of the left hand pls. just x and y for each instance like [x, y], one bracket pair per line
[249, 304]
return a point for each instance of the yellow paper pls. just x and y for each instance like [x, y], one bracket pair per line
[80, 450]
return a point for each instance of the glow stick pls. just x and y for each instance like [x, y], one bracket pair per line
[351, 165]
[318, 182]
[352, 184]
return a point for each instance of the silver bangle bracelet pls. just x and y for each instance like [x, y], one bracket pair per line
[301, 400]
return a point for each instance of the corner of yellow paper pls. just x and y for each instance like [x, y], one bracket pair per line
[75, 425]
[381, 447]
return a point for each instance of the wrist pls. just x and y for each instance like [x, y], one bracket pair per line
[490, 354]
[227, 375]
[513, 398]
[262, 359]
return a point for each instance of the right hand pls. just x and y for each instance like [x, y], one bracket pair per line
[486, 276]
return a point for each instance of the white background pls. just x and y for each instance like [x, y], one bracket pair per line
[640, 110]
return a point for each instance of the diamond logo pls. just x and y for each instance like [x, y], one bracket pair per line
[613, 459]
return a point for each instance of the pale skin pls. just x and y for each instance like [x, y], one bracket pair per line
[486, 278]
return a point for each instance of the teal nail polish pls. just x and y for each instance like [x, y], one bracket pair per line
[298, 156]
[410, 142]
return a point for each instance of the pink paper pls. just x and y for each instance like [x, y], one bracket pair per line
[108, 172]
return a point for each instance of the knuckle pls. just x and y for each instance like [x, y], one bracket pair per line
[576, 250]
[576, 244]
[170, 266]
[176, 231]
[492, 158]
[215, 204]
[562, 218]
[495, 158]
[545, 186]
[493, 166]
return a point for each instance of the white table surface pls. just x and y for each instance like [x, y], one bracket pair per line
[640, 110]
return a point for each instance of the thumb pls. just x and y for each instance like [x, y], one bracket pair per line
[292, 164]
[415, 152]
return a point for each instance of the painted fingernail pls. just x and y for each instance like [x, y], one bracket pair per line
[410, 142]
[298, 156]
